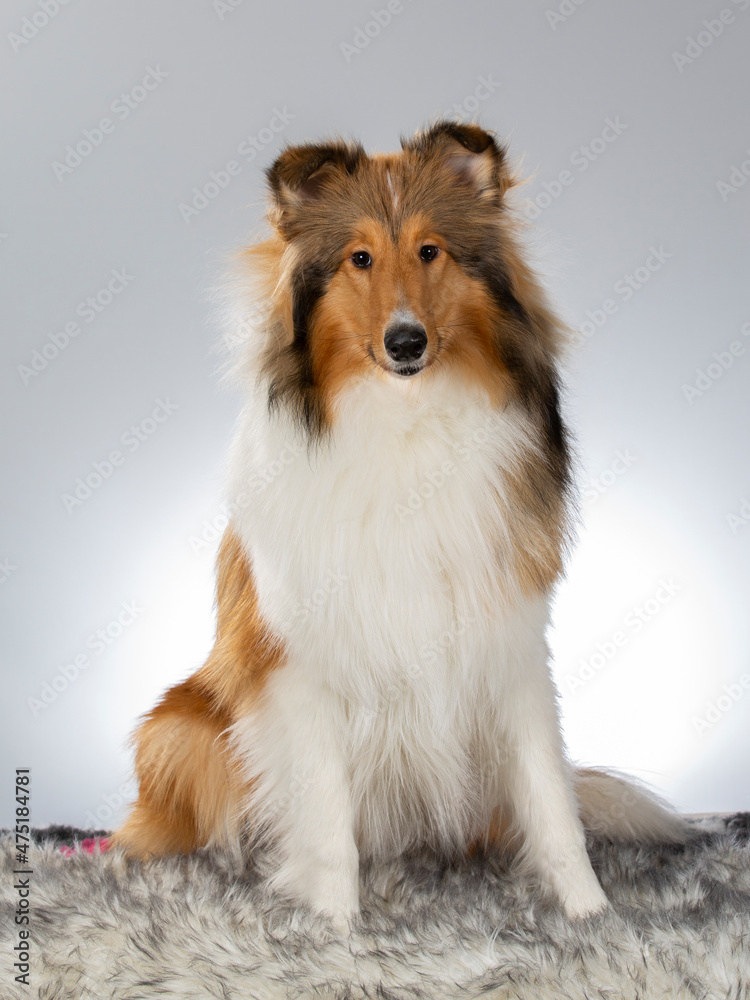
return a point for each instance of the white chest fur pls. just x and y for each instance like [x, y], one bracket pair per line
[378, 558]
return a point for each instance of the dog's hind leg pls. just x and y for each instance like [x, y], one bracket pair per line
[190, 793]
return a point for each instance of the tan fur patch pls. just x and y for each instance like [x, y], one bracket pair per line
[190, 789]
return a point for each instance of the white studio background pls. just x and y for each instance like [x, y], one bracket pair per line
[633, 123]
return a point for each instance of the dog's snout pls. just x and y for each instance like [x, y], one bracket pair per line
[406, 342]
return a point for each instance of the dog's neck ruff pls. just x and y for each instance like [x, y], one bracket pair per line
[410, 486]
[379, 561]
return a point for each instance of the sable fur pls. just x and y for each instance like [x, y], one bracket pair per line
[412, 705]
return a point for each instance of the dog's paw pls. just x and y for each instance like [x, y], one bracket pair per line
[334, 894]
[584, 901]
[342, 923]
[338, 912]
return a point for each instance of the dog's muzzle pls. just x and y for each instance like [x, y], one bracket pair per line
[405, 344]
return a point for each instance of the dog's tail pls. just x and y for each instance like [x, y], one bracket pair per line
[619, 808]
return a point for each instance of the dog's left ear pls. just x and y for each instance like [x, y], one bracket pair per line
[471, 154]
[300, 175]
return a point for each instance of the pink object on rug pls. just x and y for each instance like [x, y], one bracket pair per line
[91, 845]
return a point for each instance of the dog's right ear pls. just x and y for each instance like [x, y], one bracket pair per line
[300, 175]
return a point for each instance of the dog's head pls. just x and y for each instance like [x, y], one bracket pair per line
[400, 265]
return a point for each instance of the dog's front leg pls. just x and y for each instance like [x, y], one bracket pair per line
[301, 800]
[538, 777]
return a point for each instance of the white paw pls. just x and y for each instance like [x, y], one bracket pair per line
[584, 900]
[339, 908]
[334, 894]
[342, 923]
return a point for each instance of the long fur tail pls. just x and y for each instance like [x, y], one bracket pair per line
[619, 808]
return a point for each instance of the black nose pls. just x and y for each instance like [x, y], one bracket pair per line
[405, 343]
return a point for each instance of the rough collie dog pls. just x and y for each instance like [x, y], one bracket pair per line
[400, 487]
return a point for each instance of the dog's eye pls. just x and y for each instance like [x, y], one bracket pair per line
[361, 258]
[429, 252]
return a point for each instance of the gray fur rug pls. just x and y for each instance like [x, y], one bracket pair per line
[106, 929]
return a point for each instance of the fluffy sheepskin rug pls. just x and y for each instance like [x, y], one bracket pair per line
[107, 929]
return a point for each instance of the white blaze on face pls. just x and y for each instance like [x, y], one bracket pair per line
[392, 189]
[403, 316]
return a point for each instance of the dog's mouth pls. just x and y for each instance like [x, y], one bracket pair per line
[406, 369]
[399, 369]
